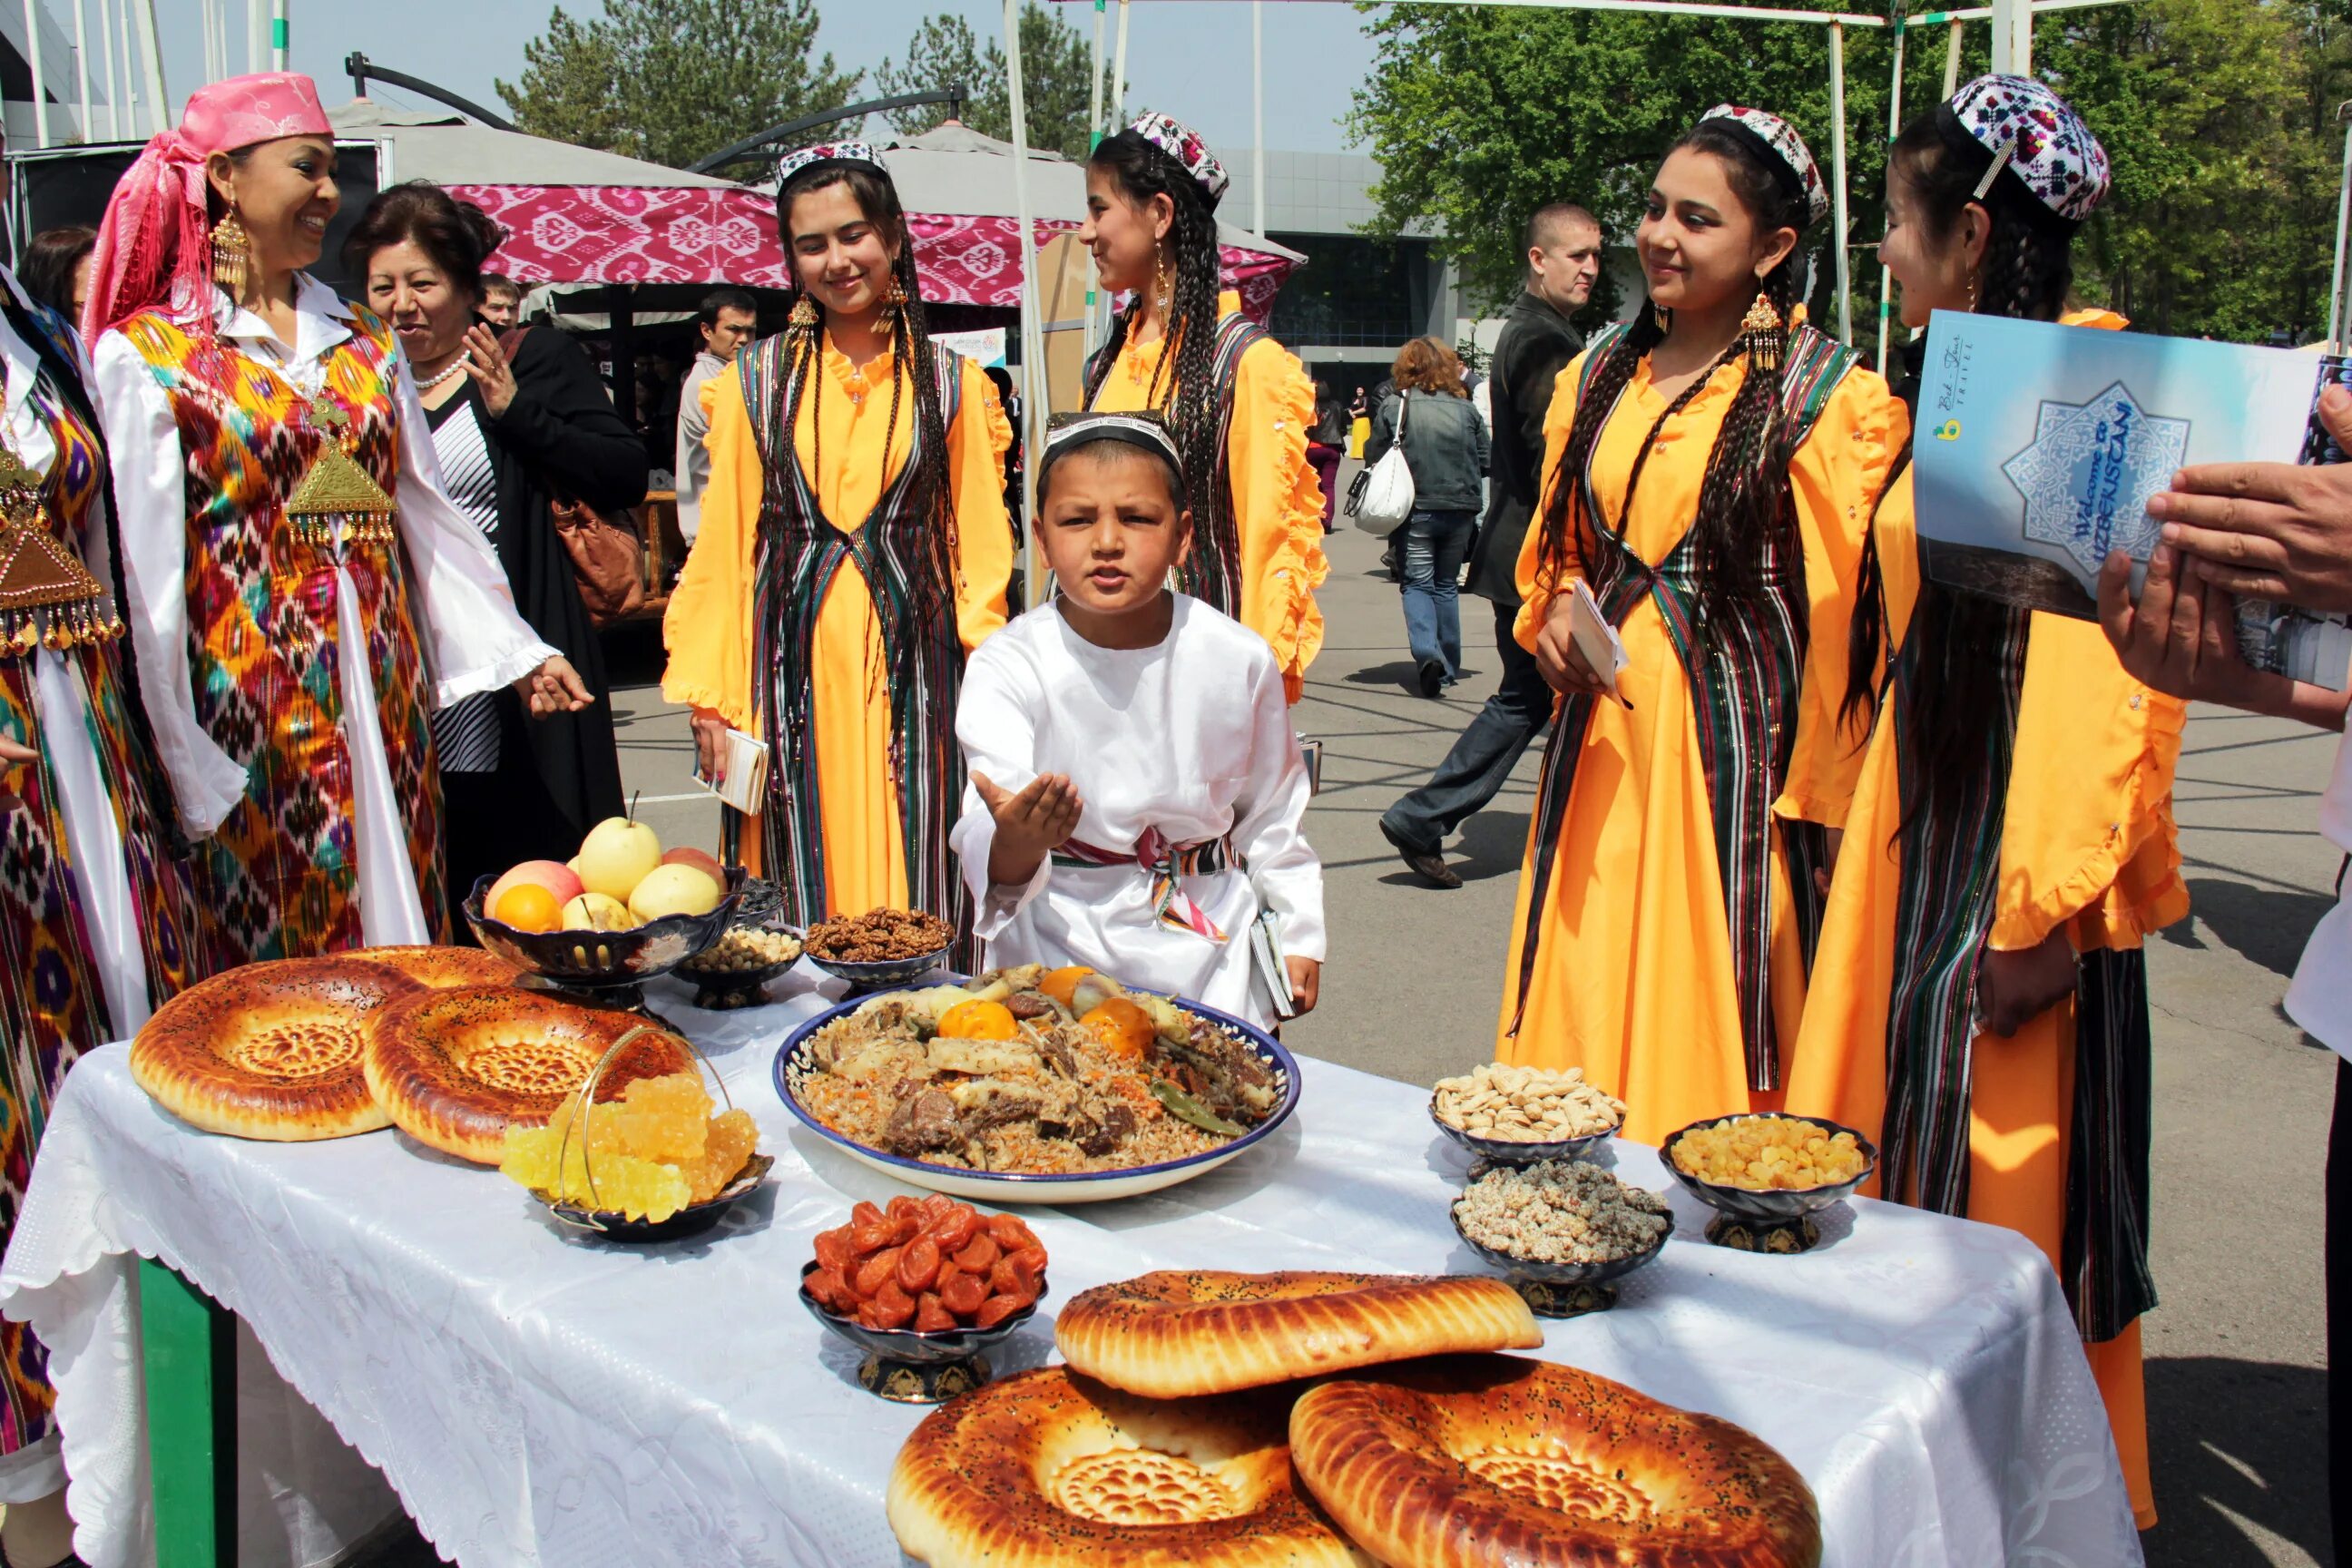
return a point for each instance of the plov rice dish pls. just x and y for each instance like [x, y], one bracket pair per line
[1035, 1072]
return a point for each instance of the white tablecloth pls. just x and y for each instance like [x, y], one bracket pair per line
[541, 1400]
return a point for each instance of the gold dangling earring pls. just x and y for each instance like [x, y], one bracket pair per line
[1760, 333]
[1662, 317]
[1972, 293]
[232, 254]
[1163, 284]
[894, 304]
[803, 318]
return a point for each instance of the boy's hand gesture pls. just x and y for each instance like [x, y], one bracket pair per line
[1030, 825]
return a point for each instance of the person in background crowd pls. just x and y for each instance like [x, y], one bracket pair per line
[1014, 456]
[659, 375]
[501, 302]
[1710, 473]
[2280, 531]
[724, 325]
[1978, 1005]
[56, 268]
[1326, 443]
[1445, 446]
[1239, 403]
[854, 549]
[516, 419]
[294, 626]
[95, 915]
[1536, 342]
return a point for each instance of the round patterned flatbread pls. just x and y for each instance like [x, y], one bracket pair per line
[441, 968]
[271, 1051]
[454, 1069]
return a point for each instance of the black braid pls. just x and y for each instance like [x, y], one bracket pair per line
[2028, 269]
[1744, 498]
[1183, 386]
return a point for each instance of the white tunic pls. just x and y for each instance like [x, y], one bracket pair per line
[474, 640]
[1191, 737]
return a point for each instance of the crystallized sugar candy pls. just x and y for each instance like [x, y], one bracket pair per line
[655, 1149]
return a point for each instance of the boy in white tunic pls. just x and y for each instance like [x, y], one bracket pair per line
[1135, 785]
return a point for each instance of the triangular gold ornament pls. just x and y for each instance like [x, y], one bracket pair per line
[335, 490]
[47, 597]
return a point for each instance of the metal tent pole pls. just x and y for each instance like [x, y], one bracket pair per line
[1033, 384]
[1952, 59]
[1119, 70]
[281, 34]
[1091, 336]
[1258, 117]
[158, 97]
[1837, 191]
[2343, 223]
[1893, 129]
[81, 66]
[106, 73]
[41, 86]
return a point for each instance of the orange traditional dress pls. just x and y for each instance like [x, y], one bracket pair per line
[1259, 558]
[797, 618]
[1657, 940]
[2067, 825]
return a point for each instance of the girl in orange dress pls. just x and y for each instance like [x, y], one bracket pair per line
[854, 548]
[1240, 404]
[1979, 1002]
[1710, 472]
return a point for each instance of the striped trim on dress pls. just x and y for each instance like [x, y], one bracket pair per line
[465, 733]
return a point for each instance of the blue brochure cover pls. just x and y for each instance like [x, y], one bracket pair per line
[2038, 447]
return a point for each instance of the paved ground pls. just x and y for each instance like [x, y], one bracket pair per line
[2235, 1352]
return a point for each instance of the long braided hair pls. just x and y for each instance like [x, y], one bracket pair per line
[911, 368]
[1186, 372]
[2028, 269]
[1744, 499]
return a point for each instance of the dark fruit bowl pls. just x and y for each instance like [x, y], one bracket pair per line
[1511, 1150]
[592, 957]
[1781, 1207]
[692, 1220]
[882, 975]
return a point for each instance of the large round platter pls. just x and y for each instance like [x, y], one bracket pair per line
[1082, 1187]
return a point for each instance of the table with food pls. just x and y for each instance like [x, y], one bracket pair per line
[654, 1232]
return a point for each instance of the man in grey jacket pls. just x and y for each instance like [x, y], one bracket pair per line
[1536, 345]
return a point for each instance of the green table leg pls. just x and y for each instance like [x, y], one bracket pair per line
[189, 1343]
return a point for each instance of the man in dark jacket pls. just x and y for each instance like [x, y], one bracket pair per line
[1536, 345]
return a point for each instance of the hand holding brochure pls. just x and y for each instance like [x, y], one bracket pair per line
[2038, 447]
[1596, 639]
[745, 786]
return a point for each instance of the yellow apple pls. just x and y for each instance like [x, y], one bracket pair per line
[598, 911]
[675, 889]
[615, 856]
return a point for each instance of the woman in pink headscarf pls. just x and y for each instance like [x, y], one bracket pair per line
[304, 591]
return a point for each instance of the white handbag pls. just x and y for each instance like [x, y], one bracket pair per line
[1381, 498]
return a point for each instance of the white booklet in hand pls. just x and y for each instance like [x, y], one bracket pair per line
[1596, 639]
[1273, 973]
[745, 759]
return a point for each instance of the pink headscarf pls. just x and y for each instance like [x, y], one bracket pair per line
[155, 239]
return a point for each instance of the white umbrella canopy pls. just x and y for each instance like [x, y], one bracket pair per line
[447, 149]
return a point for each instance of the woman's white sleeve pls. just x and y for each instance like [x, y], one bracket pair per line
[475, 640]
[150, 528]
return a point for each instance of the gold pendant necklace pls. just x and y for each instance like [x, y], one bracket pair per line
[335, 490]
[47, 597]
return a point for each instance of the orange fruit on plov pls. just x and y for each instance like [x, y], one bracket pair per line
[527, 905]
[978, 1020]
[1124, 1028]
[1063, 983]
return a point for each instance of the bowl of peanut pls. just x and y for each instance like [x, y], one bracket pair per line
[1519, 1116]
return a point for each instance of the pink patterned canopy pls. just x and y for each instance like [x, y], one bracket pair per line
[632, 233]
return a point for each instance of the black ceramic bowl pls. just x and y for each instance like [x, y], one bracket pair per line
[1779, 1208]
[1511, 1151]
[913, 1368]
[592, 958]
[1520, 1269]
[883, 975]
[692, 1220]
[736, 987]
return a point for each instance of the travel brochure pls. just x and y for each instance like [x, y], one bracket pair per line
[2038, 447]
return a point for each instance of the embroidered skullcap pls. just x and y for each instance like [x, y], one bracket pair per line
[1183, 143]
[2035, 135]
[1783, 151]
[1066, 431]
[153, 244]
[805, 158]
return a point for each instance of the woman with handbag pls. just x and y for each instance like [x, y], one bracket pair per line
[508, 412]
[1444, 446]
[303, 592]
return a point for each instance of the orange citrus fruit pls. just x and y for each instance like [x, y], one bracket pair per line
[978, 1020]
[1063, 985]
[527, 905]
[1124, 1028]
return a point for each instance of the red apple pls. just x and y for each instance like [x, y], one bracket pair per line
[553, 875]
[707, 864]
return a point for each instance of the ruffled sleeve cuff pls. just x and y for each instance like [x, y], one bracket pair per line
[503, 671]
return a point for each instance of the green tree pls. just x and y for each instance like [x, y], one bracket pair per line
[1056, 65]
[673, 81]
[2218, 115]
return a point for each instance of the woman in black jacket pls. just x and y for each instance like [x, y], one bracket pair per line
[510, 433]
[1445, 446]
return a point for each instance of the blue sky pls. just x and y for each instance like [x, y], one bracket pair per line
[1189, 57]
